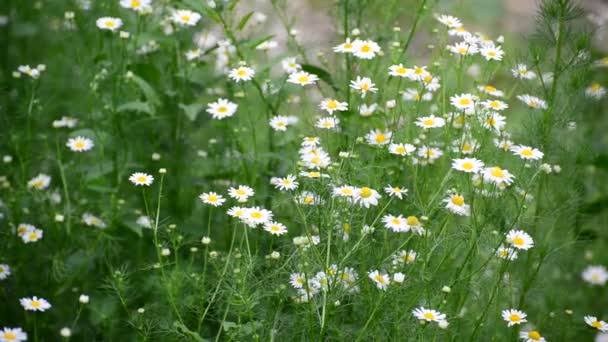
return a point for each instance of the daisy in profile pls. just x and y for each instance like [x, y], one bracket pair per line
[365, 49]
[521, 71]
[12, 335]
[363, 85]
[401, 149]
[404, 257]
[463, 101]
[520, 239]
[526, 152]
[290, 65]
[412, 94]
[449, 21]
[398, 70]
[241, 193]
[242, 73]
[463, 49]
[595, 90]
[497, 175]
[285, 183]
[592, 321]
[532, 101]
[92, 220]
[365, 110]
[469, 165]
[531, 336]
[140, 178]
[80, 144]
[346, 47]
[32, 235]
[378, 137]
[367, 197]
[492, 53]
[212, 198]
[136, 5]
[309, 198]
[333, 105]
[455, 204]
[185, 17]
[382, 280]
[595, 275]
[329, 122]
[29, 71]
[428, 315]
[395, 191]
[302, 78]
[430, 122]
[35, 304]
[514, 317]
[414, 224]
[40, 182]
[507, 253]
[221, 109]
[275, 228]
[490, 90]
[109, 23]
[495, 105]
[5, 271]
[429, 154]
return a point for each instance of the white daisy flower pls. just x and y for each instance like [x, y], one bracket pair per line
[241, 193]
[12, 335]
[308, 198]
[526, 152]
[532, 101]
[365, 110]
[401, 149]
[395, 223]
[365, 49]
[363, 85]
[395, 191]
[490, 90]
[595, 90]
[140, 178]
[285, 183]
[302, 78]
[455, 204]
[519, 239]
[367, 197]
[332, 105]
[418, 73]
[514, 317]
[378, 137]
[463, 101]
[507, 253]
[382, 280]
[592, 321]
[275, 228]
[469, 165]
[80, 144]
[398, 70]
[221, 109]
[346, 47]
[495, 105]
[492, 53]
[242, 73]
[297, 280]
[136, 5]
[497, 175]
[35, 304]
[5, 271]
[91, 220]
[212, 198]
[463, 49]
[257, 215]
[430, 122]
[531, 336]
[449, 21]
[327, 122]
[521, 71]
[279, 123]
[185, 17]
[428, 315]
[494, 121]
[290, 65]
[595, 275]
[40, 182]
[32, 235]
[109, 23]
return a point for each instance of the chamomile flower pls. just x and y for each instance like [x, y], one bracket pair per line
[413, 223]
[507, 253]
[521, 71]
[428, 315]
[185, 17]
[109, 23]
[455, 204]
[504, 144]
[469, 165]
[463, 49]
[302, 78]
[490, 90]
[297, 280]
[257, 215]
[363, 85]
[332, 105]
[136, 5]
[463, 101]
[595, 275]
[431, 83]
[532, 101]
[401, 149]
[365, 49]
[40, 182]
[221, 109]
[80, 144]
[417, 73]
[327, 122]
[346, 47]
[27, 70]
[595, 90]
[345, 191]
[367, 197]
[32, 235]
[290, 65]
[141, 179]
[395, 223]
[382, 280]
[275, 228]
[395, 191]
[449, 21]
[365, 110]
[398, 71]
[35, 304]
[497, 175]
[285, 183]
[279, 123]
[519, 239]
[242, 73]
[267, 45]
[514, 317]
[495, 105]
[592, 321]
[241, 193]
[23, 228]
[237, 212]
[531, 336]
[404, 257]
[411, 94]
[526, 152]
[12, 335]
[492, 53]
[212, 198]
[92, 220]
[5, 271]
[194, 54]
[429, 154]
[494, 121]
[430, 122]
[378, 137]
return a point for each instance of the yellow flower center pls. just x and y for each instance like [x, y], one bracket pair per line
[332, 104]
[490, 89]
[462, 51]
[348, 45]
[491, 121]
[379, 279]
[532, 103]
[314, 174]
[400, 149]
[212, 198]
[412, 221]
[400, 70]
[494, 104]
[222, 109]
[241, 73]
[467, 166]
[595, 86]
[79, 144]
[427, 78]
[534, 335]
[519, 242]
[109, 24]
[347, 191]
[364, 86]
[596, 324]
[366, 192]
[9, 336]
[36, 304]
[527, 152]
[464, 102]
[308, 199]
[514, 318]
[458, 200]
[240, 192]
[497, 172]
[418, 71]
[429, 315]
[380, 138]
[185, 18]
[275, 228]
[141, 179]
[366, 48]
[33, 236]
[492, 54]
[395, 221]
[428, 122]
[303, 79]
[135, 3]
[256, 215]
[466, 147]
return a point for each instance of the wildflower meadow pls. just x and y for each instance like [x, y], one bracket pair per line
[193, 170]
